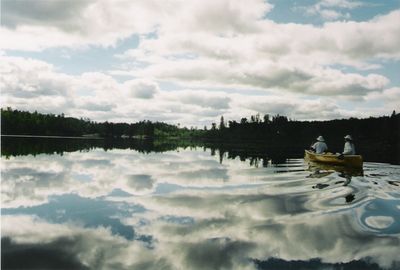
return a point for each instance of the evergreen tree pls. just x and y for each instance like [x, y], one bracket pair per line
[222, 123]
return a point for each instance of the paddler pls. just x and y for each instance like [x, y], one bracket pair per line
[320, 146]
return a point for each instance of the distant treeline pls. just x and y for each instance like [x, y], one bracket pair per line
[376, 138]
[15, 122]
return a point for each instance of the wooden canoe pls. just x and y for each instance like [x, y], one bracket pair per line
[353, 161]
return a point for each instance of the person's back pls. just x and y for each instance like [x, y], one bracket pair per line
[349, 148]
[320, 146]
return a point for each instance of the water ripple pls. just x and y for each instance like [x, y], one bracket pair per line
[176, 210]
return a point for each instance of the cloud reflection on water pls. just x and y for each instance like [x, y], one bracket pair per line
[113, 214]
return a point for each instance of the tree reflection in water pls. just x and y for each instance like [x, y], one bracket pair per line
[141, 205]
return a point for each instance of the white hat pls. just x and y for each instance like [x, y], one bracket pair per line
[320, 139]
[348, 137]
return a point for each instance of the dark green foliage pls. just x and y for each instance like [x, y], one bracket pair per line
[376, 138]
[14, 122]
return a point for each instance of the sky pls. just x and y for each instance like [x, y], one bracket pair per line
[191, 62]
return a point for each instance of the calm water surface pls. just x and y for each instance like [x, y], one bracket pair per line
[184, 209]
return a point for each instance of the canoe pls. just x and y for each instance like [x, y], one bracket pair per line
[319, 168]
[353, 161]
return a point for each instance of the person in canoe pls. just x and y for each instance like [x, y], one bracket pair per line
[320, 146]
[349, 148]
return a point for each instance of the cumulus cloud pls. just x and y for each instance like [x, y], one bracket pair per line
[292, 107]
[104, 22]
[58, 14]
[222, 17]
[35, 85]
[205, 99]
[279, 40]
[75, 24]
[91, 106]
[32, 84]
[227, 46]
[143, 89]
[268, 76]
[354, 39]
[28, 78]
[292, 57]
[389, 97]
[226, 59]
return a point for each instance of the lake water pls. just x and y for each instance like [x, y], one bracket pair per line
[195, 208]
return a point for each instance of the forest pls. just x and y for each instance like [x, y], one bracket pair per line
[15, 122]
[376, 138]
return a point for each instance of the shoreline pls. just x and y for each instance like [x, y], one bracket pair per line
[51, 137]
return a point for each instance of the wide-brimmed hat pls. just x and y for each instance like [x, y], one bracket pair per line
[348, 137]
[320, 139]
